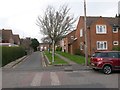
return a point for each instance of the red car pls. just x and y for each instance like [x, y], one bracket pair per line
[107, 61]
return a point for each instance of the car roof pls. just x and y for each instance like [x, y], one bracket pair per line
[105, 51]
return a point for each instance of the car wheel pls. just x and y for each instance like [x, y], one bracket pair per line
[107, 69]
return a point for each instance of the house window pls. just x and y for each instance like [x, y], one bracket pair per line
[101, 29]
[72, 37]
[115, 30]
[81, 32]
[115, 43]
[101, 45]
[81, 46]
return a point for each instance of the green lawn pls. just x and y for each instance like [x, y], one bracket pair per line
[75, 58]
[57, 59]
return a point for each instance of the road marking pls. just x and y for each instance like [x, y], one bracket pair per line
[54, 79]
[37, 79]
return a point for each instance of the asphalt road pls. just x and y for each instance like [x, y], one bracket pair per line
[29, 74]
[33, 61]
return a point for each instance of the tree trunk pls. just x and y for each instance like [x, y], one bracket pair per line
[53, 51]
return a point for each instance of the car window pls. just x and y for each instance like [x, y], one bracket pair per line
[104, 55]
[110, 54]
[118, 54]
[113, 55]
[96, 54]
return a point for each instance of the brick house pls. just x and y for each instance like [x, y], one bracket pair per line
[102, 32]
[16, 39]
[7, 38]
[70, 43]
[43, 46]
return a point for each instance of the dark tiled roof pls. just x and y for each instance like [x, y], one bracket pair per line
[111, 21]
[71, 36]
[92, 19]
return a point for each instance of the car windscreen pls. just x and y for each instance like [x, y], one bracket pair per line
[101, 54]
[97, 54]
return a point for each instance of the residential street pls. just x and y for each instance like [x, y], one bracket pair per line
[32, 62]
[30, 74]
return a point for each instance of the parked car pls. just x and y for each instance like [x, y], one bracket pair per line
[107, 61]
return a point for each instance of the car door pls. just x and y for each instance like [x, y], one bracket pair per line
[119, 60]
[113, 58]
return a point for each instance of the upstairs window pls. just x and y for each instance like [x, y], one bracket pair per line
[115, 30]
[81, 32]
[115, 43]
[72, 37]
[101, 29]
[81, 45]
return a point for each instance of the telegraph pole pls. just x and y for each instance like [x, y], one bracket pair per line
[85, 29]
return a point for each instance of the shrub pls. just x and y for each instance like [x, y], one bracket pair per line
[59, 49]
[117, 48]
[10, 54]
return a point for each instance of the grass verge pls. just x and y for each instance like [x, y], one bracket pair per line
[75, 58]
[58, 61]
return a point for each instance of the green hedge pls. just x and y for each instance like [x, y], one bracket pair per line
[117, 48]
[10, 54]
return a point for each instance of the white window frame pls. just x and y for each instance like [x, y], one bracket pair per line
[101, 45]
[101, 31]
[114, 43]
[116, 30]
[72, 37]
[81, 32]
[81, 45]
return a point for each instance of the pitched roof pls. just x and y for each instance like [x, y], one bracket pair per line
[91, 19]
[71, 36]
[71, 33]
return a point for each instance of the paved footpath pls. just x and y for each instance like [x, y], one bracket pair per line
[74, 66]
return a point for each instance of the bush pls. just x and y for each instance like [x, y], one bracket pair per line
[10, 54]
[59, 49]
[117, 48]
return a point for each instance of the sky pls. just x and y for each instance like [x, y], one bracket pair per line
[21, 15]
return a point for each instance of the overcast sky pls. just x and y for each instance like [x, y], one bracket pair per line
[21, 15]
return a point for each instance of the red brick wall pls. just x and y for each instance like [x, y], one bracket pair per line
[77, 34]
[93, 37]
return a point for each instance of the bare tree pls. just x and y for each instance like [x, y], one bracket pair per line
[55, 24]
[46, 40]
